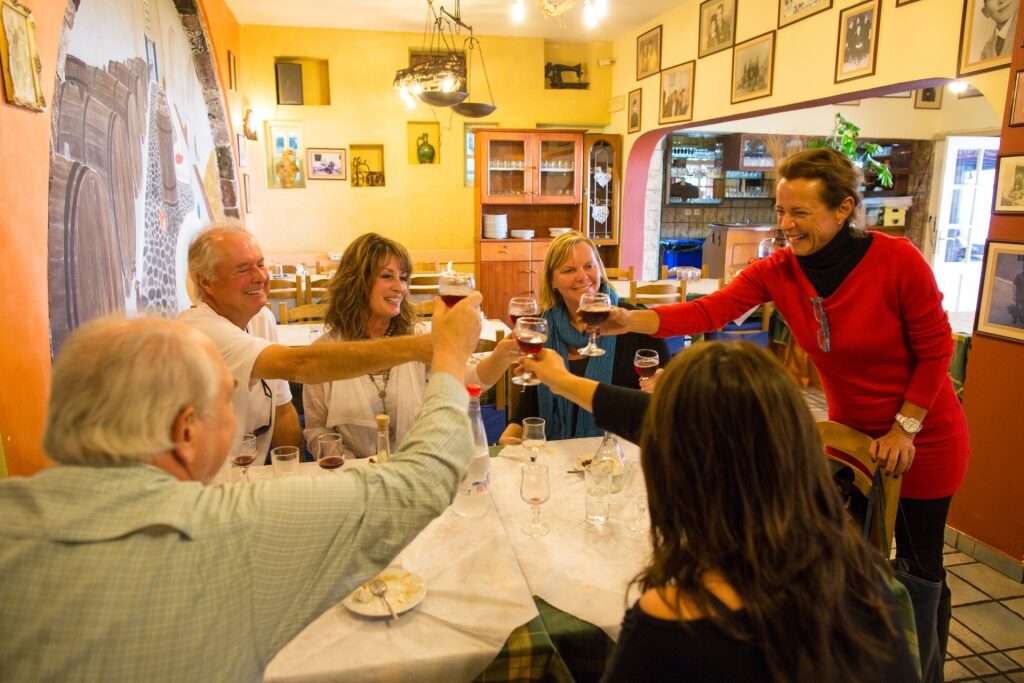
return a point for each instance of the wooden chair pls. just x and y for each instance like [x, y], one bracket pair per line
[290, 288]
[423, 287]
[619, 273]
[855, 444]
[426, 267]
[288, 269]
[423, 309]
[315, 290]
[307, 313]
[655, 293]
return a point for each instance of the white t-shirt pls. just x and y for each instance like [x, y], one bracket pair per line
[240, 349]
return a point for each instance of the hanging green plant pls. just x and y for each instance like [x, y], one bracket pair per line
[843, 139]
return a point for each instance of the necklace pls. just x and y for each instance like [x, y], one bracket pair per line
[382, 389]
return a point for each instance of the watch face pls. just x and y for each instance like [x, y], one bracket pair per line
[910, 425]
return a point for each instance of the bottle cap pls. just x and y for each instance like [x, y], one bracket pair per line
[383, 421]
[474, 390]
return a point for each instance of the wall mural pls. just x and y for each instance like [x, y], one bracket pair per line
[134, 170]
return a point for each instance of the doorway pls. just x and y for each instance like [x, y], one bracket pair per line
[962, 226]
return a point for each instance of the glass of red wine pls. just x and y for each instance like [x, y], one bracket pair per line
[245, 455]
[535, 489]
[520, 306]
[329, 453]
[531, 335]
[454, 287]
[594, 310]
[645, 363]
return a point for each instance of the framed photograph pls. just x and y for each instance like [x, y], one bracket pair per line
[327, 164]
[986, 35]
[23, 70]
[285, 164]
[648, 53]
[858, 44]
[1001, 313]
[635, 109]
[1017, 103]
[246, 193]
[1009, 196]
[753, 64]
[232, 72]
[792, 11]
[928, 98]
[717, 26]
[677, 93]
[243, 150]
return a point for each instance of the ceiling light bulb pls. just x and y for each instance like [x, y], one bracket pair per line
[417, 88]
[602, 8]
[589, 15]
[958, 87]
[518, 11]
[448, 84]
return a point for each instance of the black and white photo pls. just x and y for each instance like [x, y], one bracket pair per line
[752, 66]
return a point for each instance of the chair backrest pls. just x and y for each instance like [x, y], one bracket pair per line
[855, 445]
[426, 267]
[315, 289]
[288, 269]
[423, 287]
[307, 313]
[619, 273]
[423, 309]
[655, 293]
[290, 288]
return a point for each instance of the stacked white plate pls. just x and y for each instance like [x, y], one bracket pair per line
[496, 226]
[522, 234]
[555, 232]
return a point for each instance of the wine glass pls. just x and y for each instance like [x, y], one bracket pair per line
[329, 454]
[520, 306]
[454, 287]
[245, 455]
[535, 490]
[531, 335]
[645, 363]
[594, 310]
[533, 436]
[638, 498]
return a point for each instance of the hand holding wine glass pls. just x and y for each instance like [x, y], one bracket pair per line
[521, 306]
[594, 310]
[645, 363]
[531, 335]
[329, 453]
[245, 455]
[535, 489]
[454, 287]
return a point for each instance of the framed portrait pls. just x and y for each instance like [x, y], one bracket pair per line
[635, 108]
[858, 44]
[717, 26]
[986, 36]
[792, 11]
[1009, 195]
[677, 93]
[1001, 311]
[1017, 102]
[232, 71]
[243, 150]
[326, 164]
[753, 64]
[648, 53]
[246, 193]
[285, 164]
[928, 98]
[23, 70]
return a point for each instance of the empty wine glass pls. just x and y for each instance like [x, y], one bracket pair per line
[645, 363]
[533, 436]
[454, 287]
[329, 453]
[594, 310]
[535, 490]
[245, 455]
[531, 335]
[638, 498]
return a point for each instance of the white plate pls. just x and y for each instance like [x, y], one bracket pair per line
[580, 462]
[405, 591]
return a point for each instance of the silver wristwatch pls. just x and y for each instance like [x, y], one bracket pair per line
[910, 425]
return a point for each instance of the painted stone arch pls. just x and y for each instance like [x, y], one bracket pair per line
[140, 159]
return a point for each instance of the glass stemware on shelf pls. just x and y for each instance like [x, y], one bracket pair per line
[454, 286]
[245, 455]
[531, 335]
[594, 310]
[329, 453]
[535, 489]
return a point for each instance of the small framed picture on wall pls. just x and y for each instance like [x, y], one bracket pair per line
[676, 103]
[635, 109]
[858, 44]
[987, 35]
[928, 98]
[1017, 103]
[648, 53]
[1001, 310]
[753, 62]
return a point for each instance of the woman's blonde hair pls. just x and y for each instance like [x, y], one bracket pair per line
[558, 253]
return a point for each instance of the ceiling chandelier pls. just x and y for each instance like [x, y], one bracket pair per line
[593, 10]
[439, 74]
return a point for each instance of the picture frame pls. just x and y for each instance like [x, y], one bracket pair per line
[1009, 194]
[634, 110]
[676, 101]
[857, 46]
[753, 68]
[928, 98]
[286, 165]
[243, 150]
[717, 26]
[792, 11]
[22, 68]
[327, 163]
[1001, 310]
[246, 193]
[980, 46]
[232, 72]
[1017, 101]
[648, 53]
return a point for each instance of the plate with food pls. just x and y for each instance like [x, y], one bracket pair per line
[405, 590]
[580, 463]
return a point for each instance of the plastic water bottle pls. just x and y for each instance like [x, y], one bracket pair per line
[471, 499]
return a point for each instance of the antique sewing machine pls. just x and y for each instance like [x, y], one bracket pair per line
[553, 72]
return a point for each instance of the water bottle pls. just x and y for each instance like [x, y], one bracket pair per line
[471, 499]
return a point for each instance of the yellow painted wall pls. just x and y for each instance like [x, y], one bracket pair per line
[422, 206]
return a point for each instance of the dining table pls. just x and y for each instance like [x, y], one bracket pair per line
[498, 605]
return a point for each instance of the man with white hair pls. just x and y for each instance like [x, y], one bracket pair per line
[230, 278]
[118, 564]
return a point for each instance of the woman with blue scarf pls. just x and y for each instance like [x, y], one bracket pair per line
[572, 268]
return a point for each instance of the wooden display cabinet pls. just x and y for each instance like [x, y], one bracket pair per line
[529, 167]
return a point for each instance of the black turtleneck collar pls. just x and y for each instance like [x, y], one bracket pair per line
[829, 266]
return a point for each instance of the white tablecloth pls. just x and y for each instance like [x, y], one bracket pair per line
[302, 334]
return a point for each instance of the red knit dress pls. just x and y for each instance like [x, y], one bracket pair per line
[890, 341]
